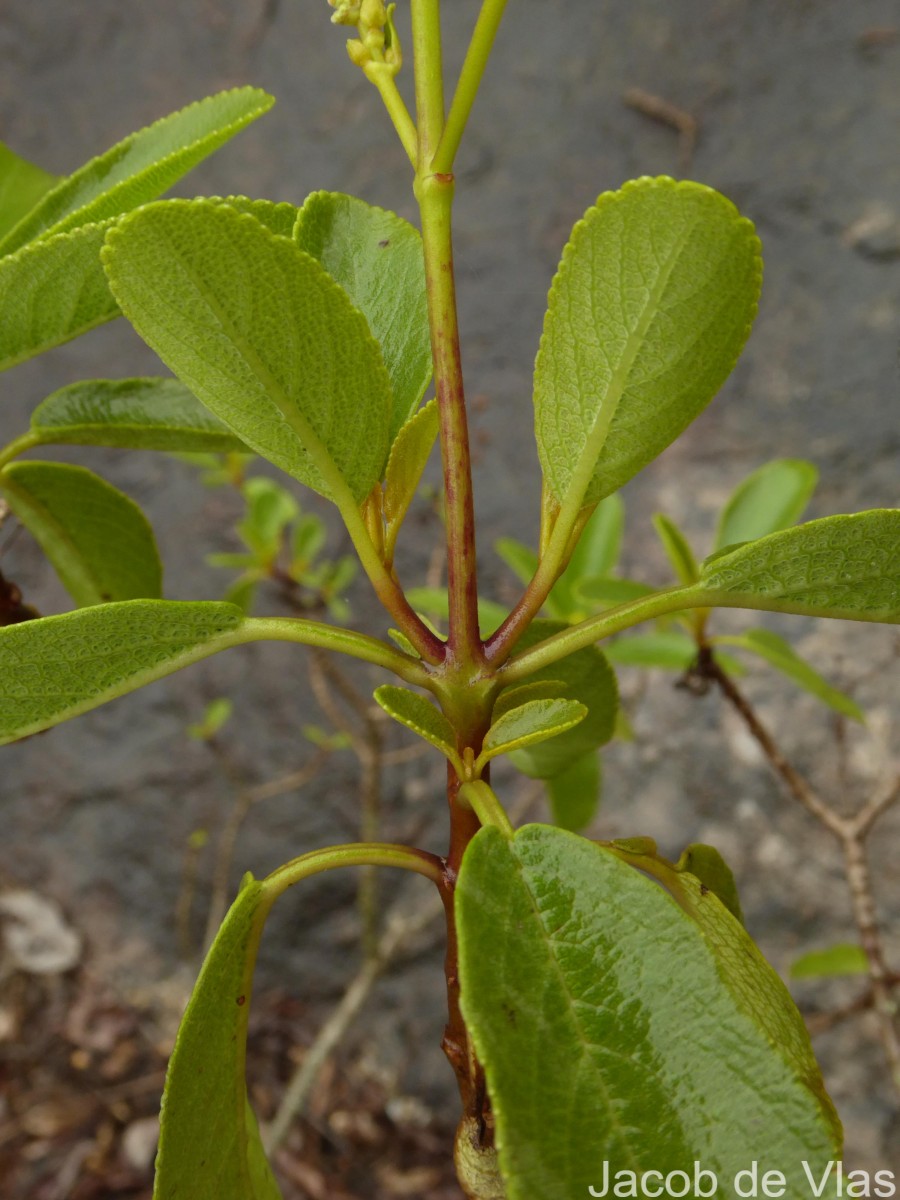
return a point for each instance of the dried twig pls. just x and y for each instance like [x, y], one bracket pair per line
[669, 114]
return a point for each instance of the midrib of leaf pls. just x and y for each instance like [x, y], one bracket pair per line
[77, 567]
[621, 1130]
[584, 468]
[312, 444]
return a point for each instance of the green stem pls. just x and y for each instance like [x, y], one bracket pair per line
[429, 72]
[614, 620]
[330, 637]
[383, 78]
[487, 806]
[469, 81]
[26, 442]
[358, 854]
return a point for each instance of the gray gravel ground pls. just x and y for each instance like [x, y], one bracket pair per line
[799, 112]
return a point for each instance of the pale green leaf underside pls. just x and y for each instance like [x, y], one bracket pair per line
[137, 414]
[141, 167]
[773, 497]
[574, 794]
[529, 723]
[377, 258]
[781, 655]
[278, 217]
[421, 716]
[52, 291]
[57, 667]
[589, 679]
[262, 335]
[846, 566]
[652, 303]
[21, 186]
[613, 1027]
[846, 958]
[97, 539]
[209, 1139]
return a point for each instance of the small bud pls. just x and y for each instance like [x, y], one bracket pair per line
[359, 54]
[347, 12]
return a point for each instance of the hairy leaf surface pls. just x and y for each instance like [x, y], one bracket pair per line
[262, 335]
[138, 414]
[278, 218]
[846, 566]
[679, 1042]
[651, 306]
[98, 540]
[418, 713]
[57, 667]
[377, 258]
[141, 167]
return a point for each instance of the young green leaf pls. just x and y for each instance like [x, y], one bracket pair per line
[422, 717]
[846, 958]
[138, 414]
[521, 559]
[532, 722]
[262, 335]
[141, 167]
[596, 554]
[595, 591]
[682, 1044]
[651, 306]
[773, 497]
[708, 866]
[668, 649]
[209, 1133]
[677, 548]
[52, 291]
[406, 462]
[57, 667]
[574, 794]
[846, 566]
[98, 540]
[588, 679]
[270, 509]
[779, 654]
[377, 258]
[547, 689]
[21, 186]
[435, 603]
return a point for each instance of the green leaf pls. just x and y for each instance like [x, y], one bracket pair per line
[574, 794]
[21, 186]
[708, 866]
[409, 454]
[141, 167]
[262, 335]
[422, 717]
[590, 680]
[270, 509]
[651, 306]
[138, 414]
[57, 667]
[846, 958]
[217, 713]
[377, 258]
[847, 566]
[209, 1139]
[678, 1042]
[677, 548]
[522, 693]
[98, 540]
[278, 218]
[779, 654]
[434, 603]
[773, 497]
[606, 591]
[668, 650]
[521, 559]
[529, 723]
[51, 291]
[597, 553]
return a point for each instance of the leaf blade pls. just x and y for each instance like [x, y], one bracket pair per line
[22, 184]
[781, 655]
[99, 542]
[772, 497]
[529, 723]
[650, 308]
[574, 794]
[422, 717]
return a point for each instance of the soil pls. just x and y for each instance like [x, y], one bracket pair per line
[797, 108]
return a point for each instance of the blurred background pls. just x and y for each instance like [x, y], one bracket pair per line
[129, 828]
